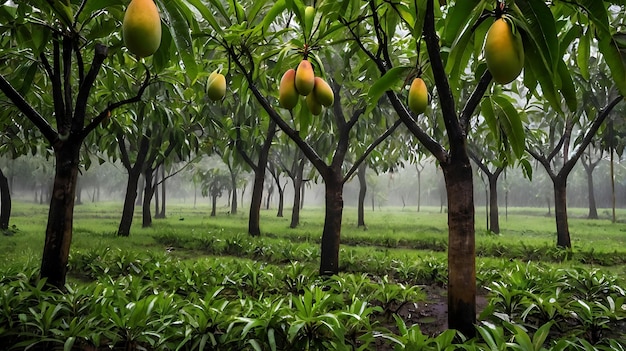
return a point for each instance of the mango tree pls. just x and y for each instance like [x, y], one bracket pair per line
[57, 40]
[453, 37]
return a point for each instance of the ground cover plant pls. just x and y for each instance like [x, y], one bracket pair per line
[196, 282]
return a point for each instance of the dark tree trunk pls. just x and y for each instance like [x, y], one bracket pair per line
[254, 218]
[161, 213]
[233, 198]
[329, 263]
[494, 217]
[129, 202]
[132, 185]
[270, 192]
[362, 192]
[142, 185]
[281, 201]
[79, 193]
[147, 198]
[461, 246]
[5, 202]
[213, 205]
[61, 214]
[256, 201]
[560, 212]
[297, 193]
[593, 208]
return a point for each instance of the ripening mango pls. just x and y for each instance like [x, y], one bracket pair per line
[141, 28]
[287, 94]
[305, 78]
[323, 92]
[504, 52]
[418, 96]
[314, 106]
[216, 86]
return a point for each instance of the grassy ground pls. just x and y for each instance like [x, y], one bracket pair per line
[396, 230]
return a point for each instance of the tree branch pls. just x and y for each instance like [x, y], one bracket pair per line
[85, 87]
[308, 151]
[18, 100]
[474, 100]
[107, 111]
[371, 148]
[456, 134]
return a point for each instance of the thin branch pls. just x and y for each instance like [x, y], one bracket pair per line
[474, 100]
[591, 132]
[57, 86]
[67, 79]
[371, 148]
[107, 111]
[85, 87]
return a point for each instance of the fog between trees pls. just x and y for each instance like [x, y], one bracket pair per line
[30, 180]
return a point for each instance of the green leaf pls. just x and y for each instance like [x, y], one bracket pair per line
[583, 53]
[182, 36]
[388, 81]
[512, 124]
[541, 335]
[538, 22]
[207, 15]
[615, 59]
[568, 90]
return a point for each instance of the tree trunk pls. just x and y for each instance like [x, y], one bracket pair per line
[129, 202]
[593, 208]
[213, 205]
[233, 201]
[163, 193]
[494, 220]
[329, 262]
[560, 212]
[61, 214]
[256, 201]
[147, 198]
[281, 201]
[362, 192]
[5, 202]
[419, 189]
[461, 247]
[297, 193]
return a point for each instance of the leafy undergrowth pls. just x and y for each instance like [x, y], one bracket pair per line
[123, 300]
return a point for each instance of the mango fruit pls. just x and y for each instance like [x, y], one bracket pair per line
[314, 106]
[504, 52]
[305, 78]
[309, 17]
[418, 96]
[323, 92]
[287, 94]
[216, 86]
[141, 28]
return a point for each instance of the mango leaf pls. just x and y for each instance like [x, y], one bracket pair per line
[509, 119]
[536, 71]
[582, 54]
[461, 16]
[486, 110]
[207, 15]
[181, 35]
[615, 59]
[388, 81]
[459, 54]
[568, 90]
[535, 17]
[279, 7]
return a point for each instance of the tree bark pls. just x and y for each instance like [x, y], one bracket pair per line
[147, 198]
[329, 263]
[61, 214]
[5, 202]
[233, 201]
[213, 205]
[591, 196]
[132, 185]
[494, 212]
[560, 212]
[461, 246]
[362, 193]
[297, 193]
[254, 228]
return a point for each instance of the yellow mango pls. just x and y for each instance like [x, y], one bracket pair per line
[287, 94]
[314, 106]
[418, 96]
[504, 52]
[216, 86]
[141, 28]
[305, 78]
[323, 92]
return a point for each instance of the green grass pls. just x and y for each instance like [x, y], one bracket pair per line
[392, 230]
